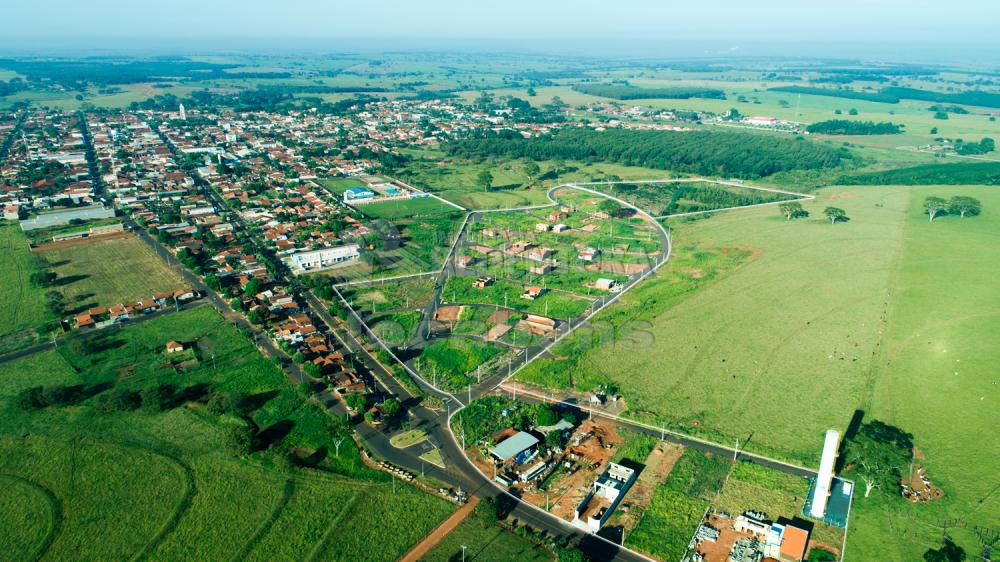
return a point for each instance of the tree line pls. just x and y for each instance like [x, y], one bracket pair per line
[847, 127]
[629, 92]
[725, 153]
[987, 173]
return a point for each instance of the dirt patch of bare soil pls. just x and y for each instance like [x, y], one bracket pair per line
[918, 488]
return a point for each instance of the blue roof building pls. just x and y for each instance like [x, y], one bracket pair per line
[358, 193]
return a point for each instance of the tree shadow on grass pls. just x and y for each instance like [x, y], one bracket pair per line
[273, 434]
[253, 402]
[69, 280]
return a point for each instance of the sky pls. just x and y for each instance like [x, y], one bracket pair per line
[752, 27]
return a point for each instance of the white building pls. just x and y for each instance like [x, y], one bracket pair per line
[825, 477]
[321, 259]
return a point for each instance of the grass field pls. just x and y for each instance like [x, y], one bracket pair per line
[22, 305]
[807, 299]
[158, 483]
[486, 543]
[106, 272]
[814, 322]
[407, 208]
[456, 180]
[935, 376]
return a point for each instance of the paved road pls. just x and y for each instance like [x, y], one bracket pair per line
[459, 470]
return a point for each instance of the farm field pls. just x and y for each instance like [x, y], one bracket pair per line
[110, 271]
[151, 481]
[22, 304]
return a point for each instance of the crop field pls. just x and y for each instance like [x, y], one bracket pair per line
[106, 272]
[152, 481]
[406, 208]
[22, 304]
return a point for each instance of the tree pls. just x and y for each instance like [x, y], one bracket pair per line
[391, 407]
[793, 210]
[30, 399]
[610, 207]
[42, 278]
[949, 552]
[935, 206]
[356, 401]
[964, 205]
[934, 130]
[531, 169]
[239, 440]
[817, 554]
[156, 397]
[835, 214]
[489, 509]
[312, 369]
[253, 287]
[554, 439]
[544, 415]
[119, 399]
[879, 453]
[485, 179]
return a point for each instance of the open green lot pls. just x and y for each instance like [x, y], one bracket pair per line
[783, 329]
[486, 542]
[406, 208]
[935, 376]
[106, 272]
[161, 482]
[22, 303]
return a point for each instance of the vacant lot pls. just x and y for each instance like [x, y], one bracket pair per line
[106, 272]
[406, 208]
[158, 482]
[22, 305]
[486, 542]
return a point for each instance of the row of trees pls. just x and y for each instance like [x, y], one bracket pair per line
[794, 210]
[701, 152]
[629, 92]
[961, 205]
[847, 127]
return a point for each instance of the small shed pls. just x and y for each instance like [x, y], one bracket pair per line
[174, 347]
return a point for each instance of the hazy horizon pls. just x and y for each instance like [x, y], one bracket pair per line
[896, 29]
